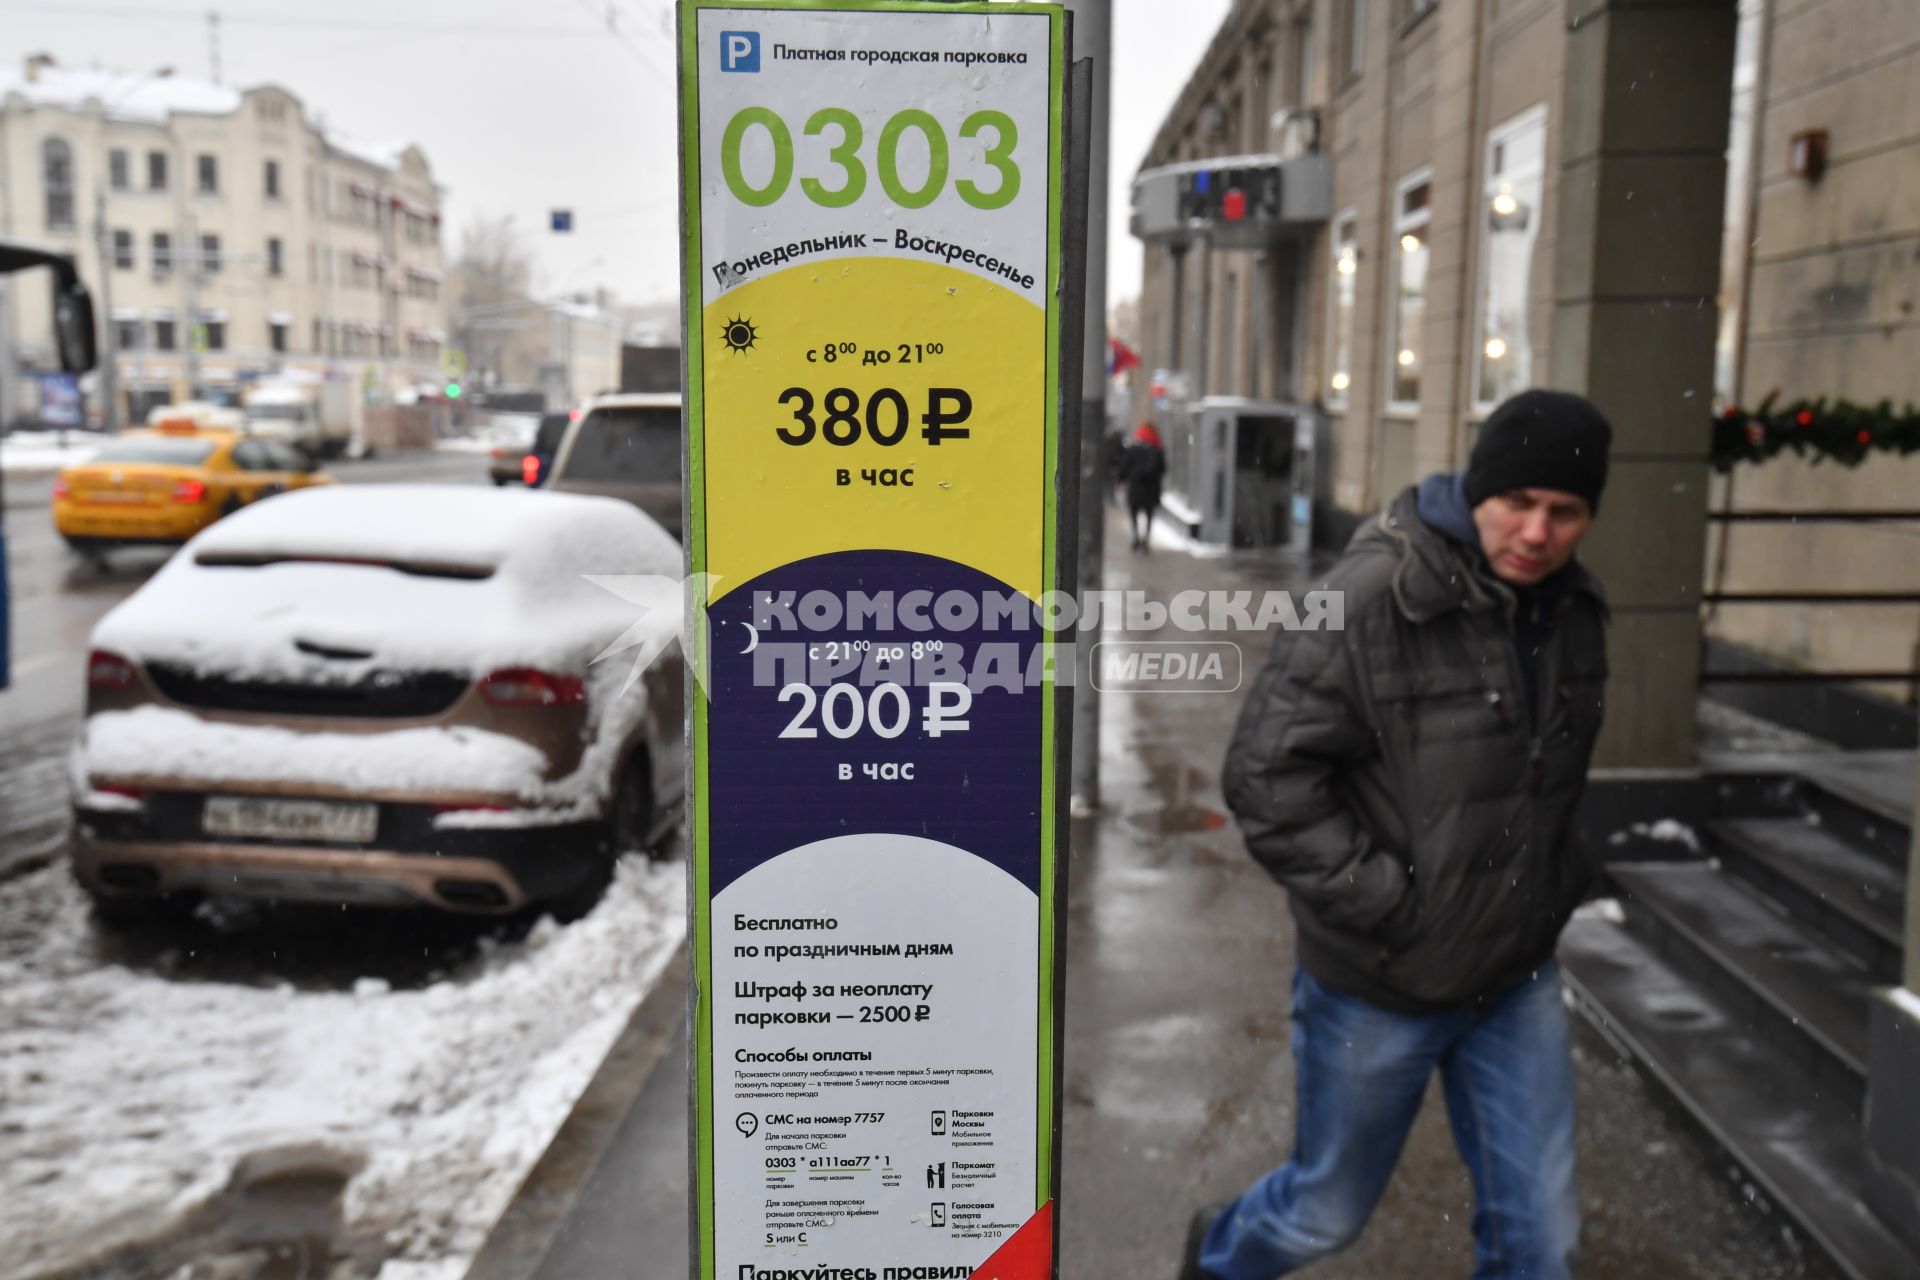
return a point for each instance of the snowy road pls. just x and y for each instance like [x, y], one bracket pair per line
[239, 1095]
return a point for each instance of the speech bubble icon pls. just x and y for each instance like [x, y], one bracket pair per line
[747, 1123]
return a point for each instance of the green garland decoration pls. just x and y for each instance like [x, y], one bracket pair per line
[1821, 429]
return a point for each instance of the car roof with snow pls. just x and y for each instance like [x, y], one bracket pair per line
[423, 528]
[423, 577]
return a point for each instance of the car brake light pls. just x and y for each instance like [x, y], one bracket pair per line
[526, 687]
[530, 469]
[108, 670]
[61, 489]
[189, 491]
[574, 415]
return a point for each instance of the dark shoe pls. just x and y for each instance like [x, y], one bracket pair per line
[1201, 1223]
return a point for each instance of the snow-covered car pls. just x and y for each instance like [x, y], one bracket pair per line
[387, 695]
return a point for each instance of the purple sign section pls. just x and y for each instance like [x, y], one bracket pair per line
[976, 788]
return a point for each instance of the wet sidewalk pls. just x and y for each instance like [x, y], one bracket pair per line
[1179, 1083]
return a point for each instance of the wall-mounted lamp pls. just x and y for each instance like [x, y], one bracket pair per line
[1807, 154]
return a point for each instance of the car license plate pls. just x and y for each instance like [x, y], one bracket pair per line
[290, 819]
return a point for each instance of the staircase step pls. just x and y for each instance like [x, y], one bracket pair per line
[1813, 999]
[1800, 1146]
[1853, 898]
[1864, 797]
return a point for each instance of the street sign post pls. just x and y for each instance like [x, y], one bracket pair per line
[873, 208]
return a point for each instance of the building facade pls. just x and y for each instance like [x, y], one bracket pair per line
[227, 235]
[1431, 288]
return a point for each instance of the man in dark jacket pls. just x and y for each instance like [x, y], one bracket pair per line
[1410, 780]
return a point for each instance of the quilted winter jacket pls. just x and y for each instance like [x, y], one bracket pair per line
[1392, 776]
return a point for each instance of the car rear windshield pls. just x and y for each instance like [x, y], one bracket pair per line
[172, 453]
[553, 426]
[627, 445]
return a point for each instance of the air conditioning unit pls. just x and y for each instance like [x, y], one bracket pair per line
[1296, 132]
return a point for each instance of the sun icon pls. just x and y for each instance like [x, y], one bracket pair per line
[740, 336]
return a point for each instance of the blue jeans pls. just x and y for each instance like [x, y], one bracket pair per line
[1508, 1073]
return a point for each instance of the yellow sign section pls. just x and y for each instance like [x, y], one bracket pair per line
[880, 403]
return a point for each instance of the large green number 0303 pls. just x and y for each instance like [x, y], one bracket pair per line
[845, 154]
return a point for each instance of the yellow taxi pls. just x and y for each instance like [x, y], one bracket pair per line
[161, 486]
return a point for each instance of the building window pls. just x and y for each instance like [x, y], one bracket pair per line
[207, 175]
[216, 331]
[277, 335]
[56, 177]
[316, 348]
[209, 255]
[126, 335]
[1353, 38]
[276, 257]
[1344, 290]
[162, 244]
[123, 250]
[156, 171]
[271, 180]
[1510, 226]
[1413, 211]
[119, 169]
[1303, 62]
[163, 335]
[1417, 8]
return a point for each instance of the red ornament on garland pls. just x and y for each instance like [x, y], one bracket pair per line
[1804, 417]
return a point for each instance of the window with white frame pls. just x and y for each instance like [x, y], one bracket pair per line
[1413, 215]
[1353, 37]
[56, 178]
[1509, 229]
[1344, 290]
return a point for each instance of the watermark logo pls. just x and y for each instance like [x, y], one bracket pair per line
[1167, 666]
[961, 639]
[740, 51]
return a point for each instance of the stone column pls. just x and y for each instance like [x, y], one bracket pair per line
[1643, 136]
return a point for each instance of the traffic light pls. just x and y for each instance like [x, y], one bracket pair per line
[453, 391]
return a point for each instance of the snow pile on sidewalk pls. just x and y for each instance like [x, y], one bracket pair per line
[127, 1097]
[43, 450]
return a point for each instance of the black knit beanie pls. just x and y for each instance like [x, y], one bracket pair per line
[1540, 440]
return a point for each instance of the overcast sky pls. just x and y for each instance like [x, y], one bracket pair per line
[526, 105]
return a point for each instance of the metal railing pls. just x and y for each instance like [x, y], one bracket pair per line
[1715, 598]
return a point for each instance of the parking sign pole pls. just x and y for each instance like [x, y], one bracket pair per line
[880, 467]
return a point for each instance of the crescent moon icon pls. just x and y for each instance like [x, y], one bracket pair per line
[754, 642]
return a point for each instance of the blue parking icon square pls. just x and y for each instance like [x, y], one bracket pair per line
[740, 51]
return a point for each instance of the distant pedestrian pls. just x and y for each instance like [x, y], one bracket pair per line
[1411, 780]
[1143, 466]
[1113, 452]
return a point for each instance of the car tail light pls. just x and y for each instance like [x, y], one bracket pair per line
[189, 491]
[526, 687]
[61, 489]
[108, 670]
[530, 469]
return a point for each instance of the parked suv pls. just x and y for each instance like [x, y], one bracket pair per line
[387, 695]
[628, 447]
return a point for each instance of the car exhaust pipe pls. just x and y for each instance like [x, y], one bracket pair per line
[472, 895]
[130, 877]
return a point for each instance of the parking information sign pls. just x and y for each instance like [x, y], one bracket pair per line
[872, 237]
